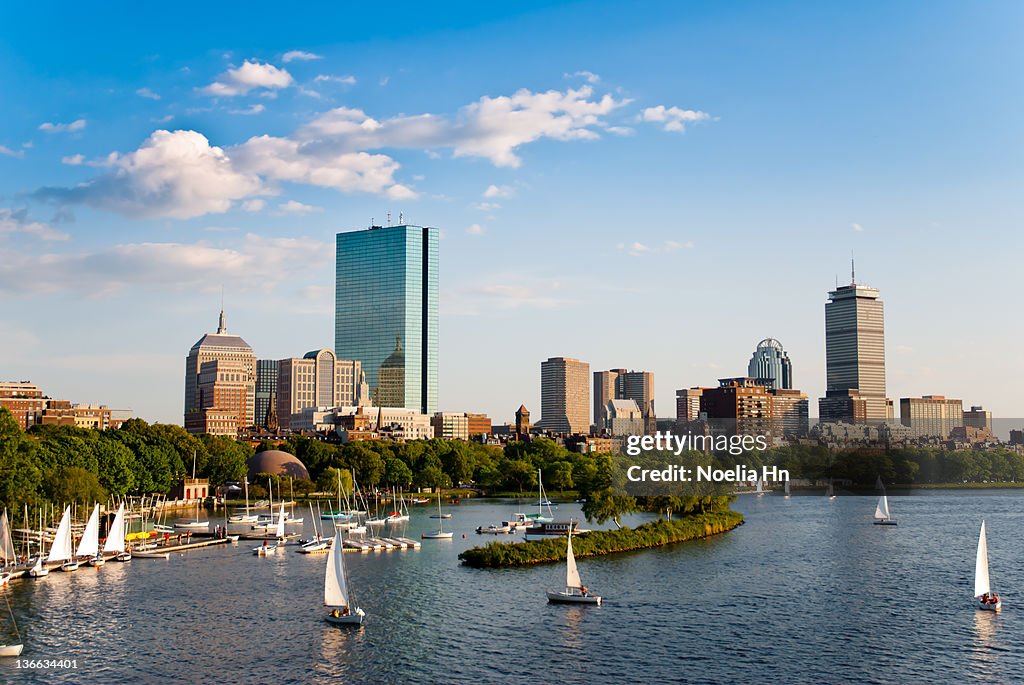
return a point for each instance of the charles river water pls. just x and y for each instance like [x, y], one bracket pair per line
[808, 591]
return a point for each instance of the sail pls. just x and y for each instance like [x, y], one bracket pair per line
[882, 509]
[572, 574]
[334, 579]
[7, 555]
[115, 536]
[787, 486]
[981, 584]
[760, 486]
[60, 550]
[89, 545]
[831, 491]
[280, 522]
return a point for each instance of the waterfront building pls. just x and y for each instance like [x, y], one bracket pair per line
[771, 362]
[220, 384]
[24, 400]
[931, 415]
[622, 417]
[688, 405]
[789, 412]
[565, 395]
[855, 356]
[620, 384]
[266, 390]
[386, 312]
[978, 417]
[317, 379]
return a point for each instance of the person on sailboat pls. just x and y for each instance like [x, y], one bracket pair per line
[583, 589]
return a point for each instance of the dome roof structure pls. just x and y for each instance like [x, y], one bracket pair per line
[276, 462]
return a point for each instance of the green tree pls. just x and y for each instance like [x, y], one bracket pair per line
[559, 475]
[75, 484]
[397, 472]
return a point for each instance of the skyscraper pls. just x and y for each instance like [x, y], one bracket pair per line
[565, 395]
[855, 356]
[220, 383]
[771, 362]
[316, 380]
[266, 388]
[620, 384]
[386, 312]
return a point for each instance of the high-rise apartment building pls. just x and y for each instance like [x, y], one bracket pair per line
[318, 379]
[738, 405]
[266, 389]
[620, 384]
[622, 417]
[386, 313]
[688, 405]
[771, 362]
[978, 417]
[24, 400]
[855, 357]
[931, 415]
[565, 395]
[220, 384]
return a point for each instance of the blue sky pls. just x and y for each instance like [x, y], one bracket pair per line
[650, 185]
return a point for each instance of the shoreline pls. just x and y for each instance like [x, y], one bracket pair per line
[658, 533]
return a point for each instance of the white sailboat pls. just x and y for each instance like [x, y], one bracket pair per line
[317, 543]
[89, 546]
[15, 648]
[575, 591]
[336, 588]
[62, 550]
[115, 543]
[440, 533]
[787, 488]
[831, 492]
[8, 557]
[266, 549]
[987, 600]
[759, 487]
[248, 516]
[882, 515]
[38, 570]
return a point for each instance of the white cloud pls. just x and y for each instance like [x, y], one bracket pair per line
[73, 160]
[347, 80]
[621, 130]
[254, 262]
[499, 191]
[71, 127]
[17, 221]
[673, 118]
[167, 118]
[173, 174]
[856, 227]
[589, 76]
[672, 245]
[635, 249]
[299, 56]
[256, 205]
[474, 229]
[293, 207]
[147, 93]
[250, 110]
[487, 206]
[249, 76]
[17, 154]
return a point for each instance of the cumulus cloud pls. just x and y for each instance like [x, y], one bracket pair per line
[17, 221]
[73, 160]
[147, 93]
[474, 229]
[299, 56]
[589, 76]
[250, 76]
[253, 262]
[71, 127]
[173, 174]
[494, 191]
[294, 207]
[256, 205]
[673, 118]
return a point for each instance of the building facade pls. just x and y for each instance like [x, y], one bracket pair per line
[386, 312]
[932, 416]
[620, 384]
[565, 395]
[24, 400]
[266, 389]
[450, 425]
[220, 384]
[978, 417]
[317, 379]
[688, 405]
[855, 357]
[622, 417]
[771, 362]
[523, 421]
[738, 405]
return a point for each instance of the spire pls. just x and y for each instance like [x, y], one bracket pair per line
[853, 271]
[221, 327]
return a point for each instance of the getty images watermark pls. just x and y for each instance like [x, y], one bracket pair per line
[661, 445]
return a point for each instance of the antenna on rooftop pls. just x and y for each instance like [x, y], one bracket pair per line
[401, 219]
[389, 217]
[853, 271]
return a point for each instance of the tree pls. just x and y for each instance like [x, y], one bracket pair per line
[559, 475]
[75, 484]
[397, 472]
[227, 460]
[116, 467]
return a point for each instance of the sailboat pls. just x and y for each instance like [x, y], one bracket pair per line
[987, 600]
[266, 549]
[247, 517]
[114, 543]
[440, 533]
[787, 488]
[61, 549]
[38, 569]
[336, 588]
[7, 554]
[89, 546]
[16, 648]
[197, 524]
[882, 515]
[759, 487]
[575, 591]
[401, 512]
[831, 492]
[317, 543]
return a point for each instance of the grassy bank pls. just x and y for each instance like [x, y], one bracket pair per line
[654, 534]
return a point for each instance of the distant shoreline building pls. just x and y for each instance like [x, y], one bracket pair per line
[620, 384]
[770, 361]
[266, 390]
[317, 379]
[220, 384]
[386, 312]
[931, 415]
[565, 395]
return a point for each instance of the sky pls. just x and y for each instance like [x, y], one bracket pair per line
[655, 186]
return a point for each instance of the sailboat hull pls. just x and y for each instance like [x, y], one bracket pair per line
[350, 620]
[573, 598]
[69, 566]
[11, 650]
[437, 535]
[885, 522]
[990, 607]
[96, 561]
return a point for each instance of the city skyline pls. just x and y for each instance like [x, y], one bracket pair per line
[658, 162]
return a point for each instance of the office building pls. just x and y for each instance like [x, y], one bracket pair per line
[317, 379]
[688, 405]
[565, 395]
[220, 384]
[450, 425]
[771, 362]
[855, 356]
[789, 412]
[932, 416]
[622, 417]
[266, 390]
[738, 405]
[620, 384]
[24, 400]
[978, 417]
[386, 314]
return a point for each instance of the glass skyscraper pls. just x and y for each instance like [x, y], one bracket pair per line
[771, 362]
[386, 312]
